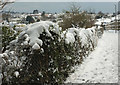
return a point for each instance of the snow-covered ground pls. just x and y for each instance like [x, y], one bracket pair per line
[101, 66]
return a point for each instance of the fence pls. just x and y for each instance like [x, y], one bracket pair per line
[115, 26]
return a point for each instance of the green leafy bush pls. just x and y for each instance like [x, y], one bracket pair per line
[8, 34]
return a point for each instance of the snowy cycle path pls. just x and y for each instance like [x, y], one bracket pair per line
[101, 66]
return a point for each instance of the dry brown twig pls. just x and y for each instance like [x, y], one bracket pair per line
[3, 3]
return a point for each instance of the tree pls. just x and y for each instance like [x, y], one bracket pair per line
[74, 9]
[82, 20]
[99, 15]
[3, 3]
[91, 11]
[30, 19]
[73, 18]
[35, 12]
[43, 13]
[6, 16]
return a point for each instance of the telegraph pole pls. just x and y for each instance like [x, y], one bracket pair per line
[115, 17]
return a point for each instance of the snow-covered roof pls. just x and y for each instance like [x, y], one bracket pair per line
[15, 19]
[103, 20]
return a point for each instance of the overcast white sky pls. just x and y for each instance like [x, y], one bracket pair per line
[67, 0]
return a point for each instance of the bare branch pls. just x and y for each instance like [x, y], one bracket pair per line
[74, 8]
[4, 3]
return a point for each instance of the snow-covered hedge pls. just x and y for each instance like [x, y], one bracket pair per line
[43, 53]
[8, 34]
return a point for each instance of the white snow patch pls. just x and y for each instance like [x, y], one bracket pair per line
[16, 73]
[1, 55]
[33, 31]
[70, 35]
[101, 66]
[82, 33]
[36, 46]
[83, 36]
[69, 38]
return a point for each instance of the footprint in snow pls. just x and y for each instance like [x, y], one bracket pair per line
[105, 59]
[83, 79]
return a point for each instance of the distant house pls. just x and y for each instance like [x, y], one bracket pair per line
[103, 21]
[18, 20]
